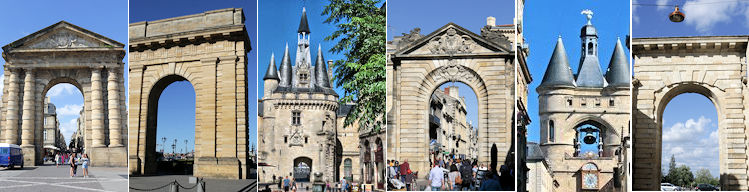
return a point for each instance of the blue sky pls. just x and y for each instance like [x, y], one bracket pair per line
[279, 21]
[31, 17]
[402, 18]
[611, 19]
[702, 17]
[690, 114]
[177, 103]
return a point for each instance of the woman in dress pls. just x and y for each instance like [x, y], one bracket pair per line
[72, 167]
[85, 165]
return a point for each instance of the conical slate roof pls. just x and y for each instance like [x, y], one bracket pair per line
[617, 73]
[286, 68]
[589, 74]
[303, 27]
[321, 70]
[558, 73]
[272, 72]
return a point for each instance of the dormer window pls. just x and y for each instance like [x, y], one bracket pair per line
[303, 78]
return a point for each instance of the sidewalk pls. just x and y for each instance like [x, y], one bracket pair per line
[144, 183]
[51, 178]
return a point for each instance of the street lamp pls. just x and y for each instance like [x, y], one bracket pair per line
[174, 145]
[163, 144]
[676, 16]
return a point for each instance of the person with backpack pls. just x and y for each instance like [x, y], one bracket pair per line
[466, 172]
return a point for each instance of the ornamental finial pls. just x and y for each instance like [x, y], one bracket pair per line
[588, 14]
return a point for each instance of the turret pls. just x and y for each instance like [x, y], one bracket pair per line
[321, 70]
[558, 72]
[285, 68]
[617, 73]
[271, 77]
[589, 71]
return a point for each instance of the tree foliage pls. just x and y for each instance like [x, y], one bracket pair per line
[680, 176]
[703, 176]
[361, 74]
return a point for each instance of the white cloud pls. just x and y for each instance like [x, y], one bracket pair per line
[71, 109]
[635, 17]
[704, 14]
[68, 128]
[693, 143]
[61, 89]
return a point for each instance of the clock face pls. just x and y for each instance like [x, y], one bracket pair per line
[590, 181]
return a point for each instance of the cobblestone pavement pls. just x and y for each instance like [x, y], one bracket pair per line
[145, 183]
[51, 178]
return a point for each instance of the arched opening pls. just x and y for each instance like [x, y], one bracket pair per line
[590, 48]
[63, 125]
[170, 138]
[452, 122]
[338, 158]
[590, 137]
[302, 169]
[347, 170]
[690, 139]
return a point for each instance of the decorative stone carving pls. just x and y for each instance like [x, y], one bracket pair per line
[296, 139]
[495, 36]
[455, 72]
[411, 37]
[451, 43]
[64, 39]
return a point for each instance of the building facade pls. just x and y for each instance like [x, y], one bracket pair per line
[54, 141]
[584, 118]
[450, 131]
[300, 120]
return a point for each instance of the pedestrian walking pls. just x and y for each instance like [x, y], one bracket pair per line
[454, 178]
[286, 184]
[436, 178]
[85, 165]
[344, 185]
[57, 159]
[404, 170]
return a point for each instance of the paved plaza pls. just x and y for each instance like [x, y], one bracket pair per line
[149, 183]
[50, 178]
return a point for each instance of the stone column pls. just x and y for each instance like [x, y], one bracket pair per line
[11, 126]
[97, 113]
[115, 133]
[27, 124]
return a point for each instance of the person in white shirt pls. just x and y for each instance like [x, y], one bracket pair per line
[437, 178]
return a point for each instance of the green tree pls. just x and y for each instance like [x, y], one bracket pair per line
[703, 176]
[672, 163]
[680, 176]
[361, 38]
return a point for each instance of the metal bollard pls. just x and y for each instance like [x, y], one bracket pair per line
[201, 186]
[174, 187]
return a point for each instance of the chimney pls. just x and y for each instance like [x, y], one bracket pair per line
[454, 92]
[447, 90]
[491, 21]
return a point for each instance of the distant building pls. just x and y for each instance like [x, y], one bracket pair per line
[52, 138]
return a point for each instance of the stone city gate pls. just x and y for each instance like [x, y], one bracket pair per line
[420, 64]
[65, 53]
[208, 50]
[715, 67]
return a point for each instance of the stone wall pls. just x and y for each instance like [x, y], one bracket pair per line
[208, 50]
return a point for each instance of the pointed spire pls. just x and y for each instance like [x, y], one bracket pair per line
[617, 73]
[272, 72]
[558, 73]
[286, 68]
[303, 27]
[589, 73]
[321, 70]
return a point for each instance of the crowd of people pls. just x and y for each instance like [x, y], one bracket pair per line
[73, 159]
[452, 173]
[289, 184]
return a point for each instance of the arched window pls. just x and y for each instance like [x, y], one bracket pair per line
[588, 140]
[590, 48]
[551, 131]
[347, 166]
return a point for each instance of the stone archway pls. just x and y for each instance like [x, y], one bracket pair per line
[715, 67]
[211, 55]
[65, 53]
[420, 64]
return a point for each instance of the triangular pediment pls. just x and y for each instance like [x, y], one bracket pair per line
[451, 39]
[62, 35]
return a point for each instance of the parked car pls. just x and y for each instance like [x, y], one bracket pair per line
[10, 155]
[705, 187]
[669, 187]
